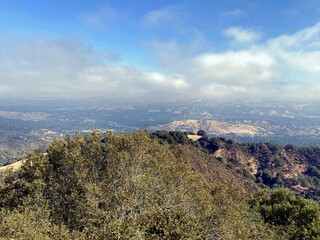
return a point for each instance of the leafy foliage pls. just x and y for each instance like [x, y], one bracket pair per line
[134, 186]
[173, 137]
[122, 187]
[291, 217]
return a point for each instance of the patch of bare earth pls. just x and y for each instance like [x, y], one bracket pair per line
[193, 137]
[213, 127]
[13, 166]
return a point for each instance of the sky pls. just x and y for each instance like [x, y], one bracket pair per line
[161, 50]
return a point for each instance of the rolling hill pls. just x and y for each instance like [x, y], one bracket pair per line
[213, 127]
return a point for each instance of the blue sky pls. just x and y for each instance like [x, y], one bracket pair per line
[267, 49]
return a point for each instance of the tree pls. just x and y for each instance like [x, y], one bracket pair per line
[291, 217]
[129, 186]
[202, 133]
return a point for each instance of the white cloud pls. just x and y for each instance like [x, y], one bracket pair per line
[304, 39]
[175, 82]
[224, 91]
[59, 68]
[286, 67]
[241, 35]
[307, 62]
[161, 16]
[234, 67]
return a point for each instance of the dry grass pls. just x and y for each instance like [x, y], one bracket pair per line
[213, 127]
[14, 166]
[194, 137]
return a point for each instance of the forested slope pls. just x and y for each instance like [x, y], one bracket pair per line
[134, 186]
[267, 164]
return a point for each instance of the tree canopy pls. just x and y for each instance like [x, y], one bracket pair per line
[134, 187]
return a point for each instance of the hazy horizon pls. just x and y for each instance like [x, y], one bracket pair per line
[161, 51]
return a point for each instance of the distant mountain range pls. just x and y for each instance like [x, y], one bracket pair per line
[214, 127]
[28, 124]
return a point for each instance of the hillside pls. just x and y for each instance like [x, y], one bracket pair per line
[137, 186]
[267, 164]
[276, 166]
[248, 166]
[214, 171]
[213, 127]
[125, 187]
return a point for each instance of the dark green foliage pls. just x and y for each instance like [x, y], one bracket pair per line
[164, 136]
[278, 162]
[274, 148]
[266, 148]
[290, 148]
[202, 133]
[254, 148]
[246, 173]
[313, 193]
[136, 186]
[265, 176]
[313, 171]
[311, 182]
[230, 142]
[220, 159]
[311, 178]
[291, 217]
[210, 145]
[173, 137]
[311, 154]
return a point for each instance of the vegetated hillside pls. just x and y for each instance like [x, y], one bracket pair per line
[134, 186]
[269, 165]
[276, 166]
[17, 141]
[209, 167]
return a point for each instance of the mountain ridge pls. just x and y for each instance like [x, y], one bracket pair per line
[213, 127]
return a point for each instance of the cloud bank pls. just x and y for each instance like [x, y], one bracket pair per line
[286, 67]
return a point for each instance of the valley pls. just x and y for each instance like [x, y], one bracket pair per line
[29, 124]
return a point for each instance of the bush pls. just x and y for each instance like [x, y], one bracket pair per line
[291, 217]
[122, 187]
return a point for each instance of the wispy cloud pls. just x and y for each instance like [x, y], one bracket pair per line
[234, 13]
[100, 17]
[308, 38]
[161, 16]
[241, 35]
